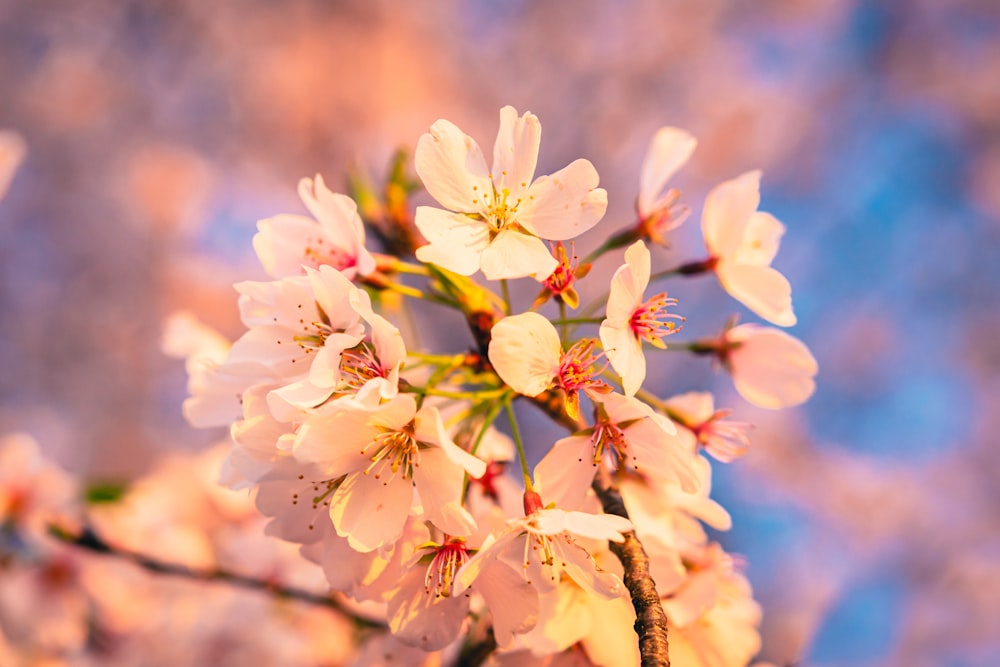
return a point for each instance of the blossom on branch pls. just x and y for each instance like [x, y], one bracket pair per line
[286, 244]
[770, 368]
[631, 321]
[659, 210]
[526, 352]
[381, 457]
[495, 220]
[742, 243]
[625, 431]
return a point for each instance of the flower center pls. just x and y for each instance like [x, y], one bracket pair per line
[318, 252]
[497, 209]
[395, 450]
[565, 272]
[357, 366]
[609, 438]
[448, 560]
[314, 333]
[651, 321]
[724, 440]
[577, 367]
[315, 493]
[577, 370]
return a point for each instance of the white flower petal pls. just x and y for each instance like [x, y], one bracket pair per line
[456, 240]
[565, 473]
[597, 526]
[451, 166]
[512, 601]
[659, 454]
[770, 368]
[628, 284]
[336, 213]
[335, 443]
[582, 569]
[429, 427]
[761, 239]
[762, 289]
[624, 352]
[565, 204]
[333, 292]
[670, 149]
[421, 618]
[288, 402]
[696, 406]
[727, 211]
[515, 152]
[439, 483]
[371, 512]
[512, 254]
[525, 351]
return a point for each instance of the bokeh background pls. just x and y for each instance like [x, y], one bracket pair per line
[158, 132]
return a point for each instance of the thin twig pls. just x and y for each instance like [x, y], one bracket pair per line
[91, 541]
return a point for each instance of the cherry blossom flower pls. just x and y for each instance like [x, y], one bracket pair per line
[215, 385]
[668, 519]
[526, 353]
[660, 211]
[33, 491]
[387, 453]
[559, 284]
[770, 368]
[625, 430]
[285, 244]
[543, 546]
[367, 373]
[528, 559]
[725, 440]
[571, 614]
[299, 327]
[424, 611]
[630, 321]
[713, 615]
[742, 243]
[495, 220]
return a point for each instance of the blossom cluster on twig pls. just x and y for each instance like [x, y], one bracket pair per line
[383, 461]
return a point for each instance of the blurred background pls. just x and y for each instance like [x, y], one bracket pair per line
[158, 132]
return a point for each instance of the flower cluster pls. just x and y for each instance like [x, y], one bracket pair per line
[384, 463]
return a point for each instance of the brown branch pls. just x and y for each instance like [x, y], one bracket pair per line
[89, 540]
[650, 619]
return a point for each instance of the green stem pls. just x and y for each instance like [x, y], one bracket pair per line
[516, 435]
[436, 359]
[505, 291]
[578, 320]
[491, 417]
[563, 332]
[414, 293]
[457, 395]
[595, 305]
[622, 238]
[408, 267]
[656, 403]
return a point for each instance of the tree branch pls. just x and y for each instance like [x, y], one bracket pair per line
[89, 540]
[650, 619]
